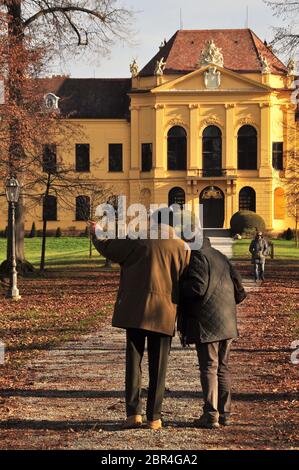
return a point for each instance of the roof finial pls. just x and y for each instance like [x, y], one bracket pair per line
[247, 17]
[181, 19]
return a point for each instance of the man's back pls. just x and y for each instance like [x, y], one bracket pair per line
[149, 283]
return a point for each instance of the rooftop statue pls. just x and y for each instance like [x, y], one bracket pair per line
[160, 66]
[265, 65]
[291, 67]
[134, 69]
[211, 55]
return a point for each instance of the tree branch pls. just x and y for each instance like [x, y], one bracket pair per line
[64, 10]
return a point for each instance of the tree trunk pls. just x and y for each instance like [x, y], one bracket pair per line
[16, 33]
[23, 266]
[43, 252]
[44, 235]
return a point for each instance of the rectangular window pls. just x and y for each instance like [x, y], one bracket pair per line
[49, 162]
[82, 208]
[50, 208]
[115, 157]
[146, 157]
[277, 155]
[82, 157]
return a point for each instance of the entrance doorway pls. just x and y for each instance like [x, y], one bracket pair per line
[212, 200]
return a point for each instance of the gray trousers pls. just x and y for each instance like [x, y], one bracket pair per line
[259, 269]
[215, 378]
[158, 347]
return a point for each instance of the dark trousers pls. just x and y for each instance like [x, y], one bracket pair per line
[158, 347]
[215, 377]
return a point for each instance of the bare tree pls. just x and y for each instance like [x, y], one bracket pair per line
[31, 32]
[292, 180]
[286, 38]
[59, 181]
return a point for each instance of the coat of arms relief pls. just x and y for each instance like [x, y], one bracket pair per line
[212, 56]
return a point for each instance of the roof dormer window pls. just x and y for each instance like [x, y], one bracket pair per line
[51, 101]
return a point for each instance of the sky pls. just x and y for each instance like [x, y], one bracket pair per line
[158, 19]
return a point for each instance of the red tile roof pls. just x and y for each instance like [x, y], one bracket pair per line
[240, 47]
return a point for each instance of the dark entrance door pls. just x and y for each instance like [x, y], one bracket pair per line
[212, 200]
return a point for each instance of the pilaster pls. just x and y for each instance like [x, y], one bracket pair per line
[265, 141]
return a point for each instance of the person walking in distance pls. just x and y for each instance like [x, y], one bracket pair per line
[259, 250]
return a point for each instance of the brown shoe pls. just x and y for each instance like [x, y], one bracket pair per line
[225, 420]
[156, 424]
[206, 423]
[132, 422]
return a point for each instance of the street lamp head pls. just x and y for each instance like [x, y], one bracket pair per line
[12, 190]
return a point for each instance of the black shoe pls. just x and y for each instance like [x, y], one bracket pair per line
[206, 423]
[224, 420]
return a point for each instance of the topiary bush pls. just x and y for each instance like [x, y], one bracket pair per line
[58, 233]
[288, 234]
[246, 221]
[3, 233]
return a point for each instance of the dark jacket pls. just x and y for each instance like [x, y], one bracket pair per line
[207, 310]
[258, 249]
[149, 282]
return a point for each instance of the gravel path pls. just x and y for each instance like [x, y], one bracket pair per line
[73, 399]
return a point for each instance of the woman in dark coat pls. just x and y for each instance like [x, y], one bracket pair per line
[207, 318]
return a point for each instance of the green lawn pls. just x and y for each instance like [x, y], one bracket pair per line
[283, 249]
[67, 252]
[60, 252]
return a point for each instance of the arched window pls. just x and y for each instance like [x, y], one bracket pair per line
[176, 196]
[177, 148]
[247, 199]
[50, 208]
[212, 151]
[247, 148]
[279, 204]
[82, 208]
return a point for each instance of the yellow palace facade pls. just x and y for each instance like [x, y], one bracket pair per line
[206, 121]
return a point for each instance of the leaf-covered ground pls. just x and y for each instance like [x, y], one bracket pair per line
[71, 395]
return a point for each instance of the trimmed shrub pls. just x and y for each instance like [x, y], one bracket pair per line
[58, 233]
[288, 234]
[32, 233]
[247, 222]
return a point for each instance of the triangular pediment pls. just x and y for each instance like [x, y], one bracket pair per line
[212, 78]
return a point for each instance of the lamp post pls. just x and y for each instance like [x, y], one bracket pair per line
[12, 194]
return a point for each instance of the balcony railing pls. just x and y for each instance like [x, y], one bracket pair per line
[212, 172]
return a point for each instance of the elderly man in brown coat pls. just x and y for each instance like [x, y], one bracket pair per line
[146, 307]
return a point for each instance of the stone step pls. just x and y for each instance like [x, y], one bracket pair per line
[223, 244]
[217, 232]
